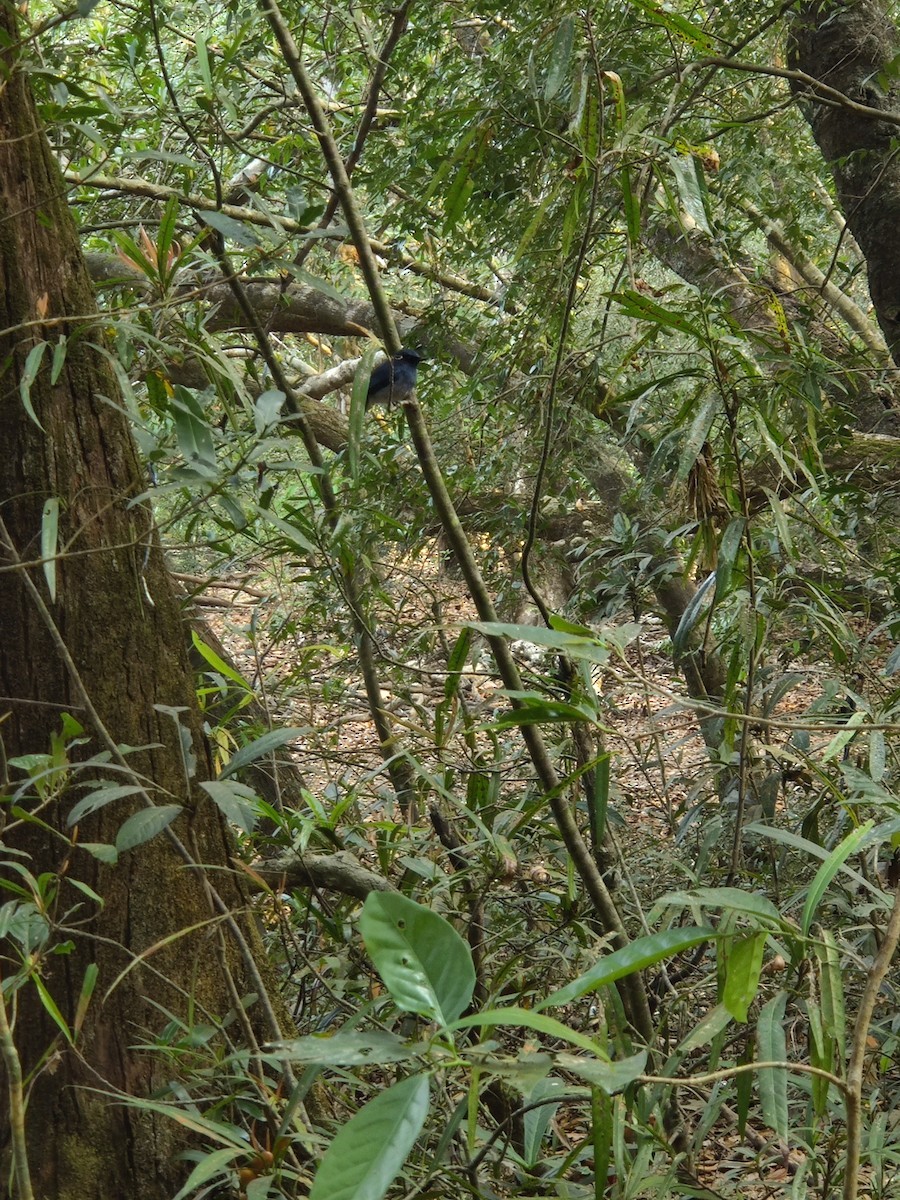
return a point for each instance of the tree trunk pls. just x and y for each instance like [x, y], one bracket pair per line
[852, 48]
[115, 612]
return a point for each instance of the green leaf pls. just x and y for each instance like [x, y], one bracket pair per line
[237, 231]
[49, 543]
[273, 740]
[831, 990]
[642, 308]
[742, 980]
[877, 755]
[195, 439]
[50, 1006]
[846, 735]
[236, 801]
[528, 1018]
[29, 374]
[368, 1152]
[732, 899]
[348, 1049]
[829, 868]
[144, 825]
[696, 436]
[691, 189]
[218, 664]
[425, 964]
[560, 57]
[728, 551]
[358, 409]
[610, 1077]
[772, 1047]
[213, 1164]
[680, 27]
[642, 952]
[692, 613]
[203, 62]
[267, 410]
[59, 359]
[99, 799]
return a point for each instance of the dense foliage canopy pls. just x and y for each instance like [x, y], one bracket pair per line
[579, 668]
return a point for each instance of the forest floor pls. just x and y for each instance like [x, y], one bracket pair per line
[662, 796]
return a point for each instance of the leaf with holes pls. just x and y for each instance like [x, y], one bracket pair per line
[425, 964]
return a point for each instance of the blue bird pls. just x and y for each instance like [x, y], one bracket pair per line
[394, 381]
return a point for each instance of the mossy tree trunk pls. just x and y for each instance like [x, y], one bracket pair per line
[115, 612]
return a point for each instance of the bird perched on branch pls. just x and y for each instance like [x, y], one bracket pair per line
[394, 381]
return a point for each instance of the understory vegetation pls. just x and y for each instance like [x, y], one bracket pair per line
[553, 712]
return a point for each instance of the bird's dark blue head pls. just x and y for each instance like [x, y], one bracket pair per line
[394, 381]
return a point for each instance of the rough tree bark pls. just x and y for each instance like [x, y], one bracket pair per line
[116, 613]
[852, 48]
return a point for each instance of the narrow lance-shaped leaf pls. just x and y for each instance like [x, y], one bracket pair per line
[849, 845]
[772, 1047]
[642, 952]
[49, 535]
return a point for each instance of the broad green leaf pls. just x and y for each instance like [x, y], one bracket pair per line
[368, 1152]
[592, 647]
[236, 801]
[49, 542]
[425, 964]
[560, 57]
[821, 1055]
[99, 799]
[237, 231]
[269, 742]
[537, 1121]
[811, 849]
[691, 188]
[632, 206]
[772, 1047]
[144, 825]
[267, 410]
[847, 846]
[642, 952]
[742, 980]
[348, 1049]
[781, 522]
[192, 430]
[295, 536]
[610, 1077]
